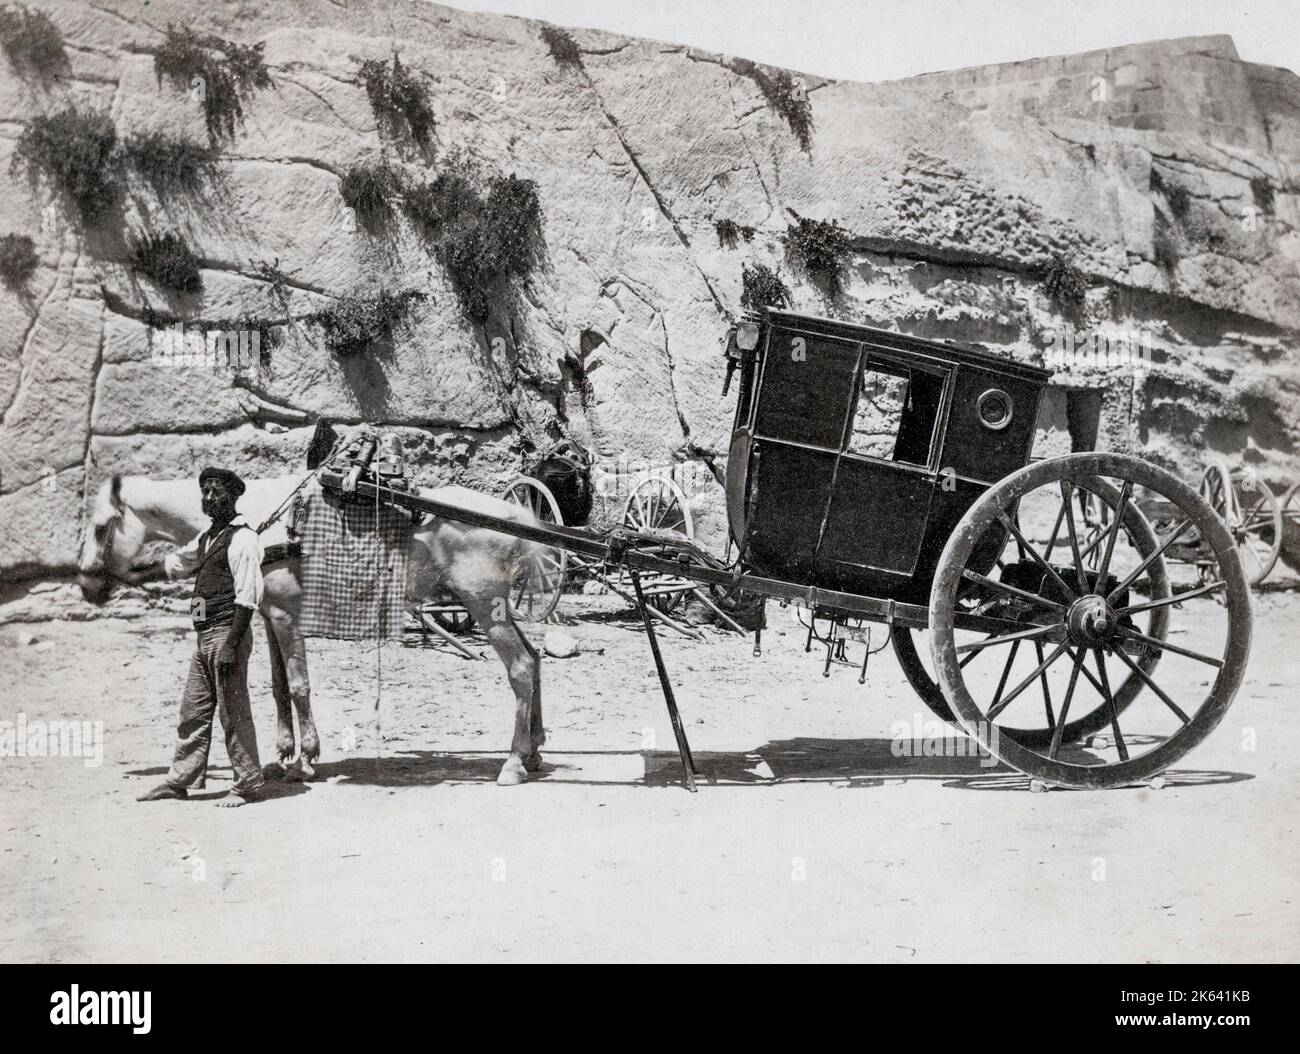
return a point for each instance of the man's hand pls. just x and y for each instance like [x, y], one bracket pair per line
[226, 654]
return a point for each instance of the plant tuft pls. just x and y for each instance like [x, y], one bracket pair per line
[1065, 286]
[355, 324]
[399, 101]
[75, 150]
[168, 261]
[223, 73]
[18, 260]
[371, 192]
[821, 248]
[729, 231]
[1262, 191]
[784, 94]
[168, 164]
[33, 42]
[761, 287]
[563, 48]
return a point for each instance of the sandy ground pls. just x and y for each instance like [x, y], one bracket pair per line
[811, 840]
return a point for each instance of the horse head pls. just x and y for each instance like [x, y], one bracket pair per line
[114, 537]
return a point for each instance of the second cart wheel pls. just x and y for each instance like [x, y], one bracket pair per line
[657, 503]
[539, 580]
[1098, 620]
[1252, 513]
[1092, 504]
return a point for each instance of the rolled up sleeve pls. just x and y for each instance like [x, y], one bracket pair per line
[245, 556]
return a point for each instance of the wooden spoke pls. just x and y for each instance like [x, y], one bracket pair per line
[1120, 506]
[1067, 500]
[1143, 676]
[1008, 699]
[1006, 672]
[1137, 571]
[1120, 745]
[1191, 594]
[991, 639]
[1047, 692]
[1026, 547]
[1132, 634]
[1023, 594]
[1059, 727]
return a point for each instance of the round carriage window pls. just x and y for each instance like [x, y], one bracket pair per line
[994, 409]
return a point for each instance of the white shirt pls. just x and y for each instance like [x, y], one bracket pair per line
[244, 555]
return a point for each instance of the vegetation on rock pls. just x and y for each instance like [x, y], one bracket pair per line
[784, 94]
[1262, 191]
[399, 101]
[18, 260]
[478, 235]
[1065, 285]
[75, 150]
[563, 48]
[371, 191]
[32, 42]
[170, 165]
[355, 324]
[729, 231]
[168, 260]
[761, 287]
[821, 248]
[223, 73]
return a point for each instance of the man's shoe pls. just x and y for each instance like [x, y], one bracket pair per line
[164, 791]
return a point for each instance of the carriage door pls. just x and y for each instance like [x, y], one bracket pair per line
[805, 396]
[884, 476]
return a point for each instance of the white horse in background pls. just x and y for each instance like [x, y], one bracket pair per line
[473, 564]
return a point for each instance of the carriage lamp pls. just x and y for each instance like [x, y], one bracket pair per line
[747, 336]
[994, 409]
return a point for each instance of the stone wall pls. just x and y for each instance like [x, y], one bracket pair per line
[1139, 166]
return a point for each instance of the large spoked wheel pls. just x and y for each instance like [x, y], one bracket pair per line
[656, 503]
[1099, 626]
[539, 580]
[1092, 509]
[1252, 513]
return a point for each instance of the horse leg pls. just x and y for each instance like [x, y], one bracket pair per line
[285, 746]
[293, 650]
[533, 759]
[521, 664]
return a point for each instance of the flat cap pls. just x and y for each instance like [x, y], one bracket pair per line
[233, 483]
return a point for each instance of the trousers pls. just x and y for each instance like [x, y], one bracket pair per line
[210, 693]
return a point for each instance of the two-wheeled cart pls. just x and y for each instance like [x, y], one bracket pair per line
[877, 477]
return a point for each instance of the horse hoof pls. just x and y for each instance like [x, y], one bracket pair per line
[512, 774]
[533, 761]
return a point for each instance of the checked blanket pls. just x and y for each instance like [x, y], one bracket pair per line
[354, 564]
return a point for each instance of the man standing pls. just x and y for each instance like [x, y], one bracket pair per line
[226, 562]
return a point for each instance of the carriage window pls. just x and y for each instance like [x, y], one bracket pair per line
[896, 413]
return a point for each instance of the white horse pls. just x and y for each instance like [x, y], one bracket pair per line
[471, 563]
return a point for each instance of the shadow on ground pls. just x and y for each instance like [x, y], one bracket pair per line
[855, 763]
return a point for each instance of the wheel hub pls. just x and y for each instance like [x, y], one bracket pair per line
[1090, 621]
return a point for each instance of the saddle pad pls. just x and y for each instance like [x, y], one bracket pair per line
[354, 566]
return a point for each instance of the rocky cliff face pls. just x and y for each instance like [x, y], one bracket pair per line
[1151, 190]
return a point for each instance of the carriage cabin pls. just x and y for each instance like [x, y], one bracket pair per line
[855, 451]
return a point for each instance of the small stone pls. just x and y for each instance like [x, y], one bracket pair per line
[1038, 786]
[559, 645]
[45, 645]
[1158, 783]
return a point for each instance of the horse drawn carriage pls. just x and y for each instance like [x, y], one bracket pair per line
[880, 478]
